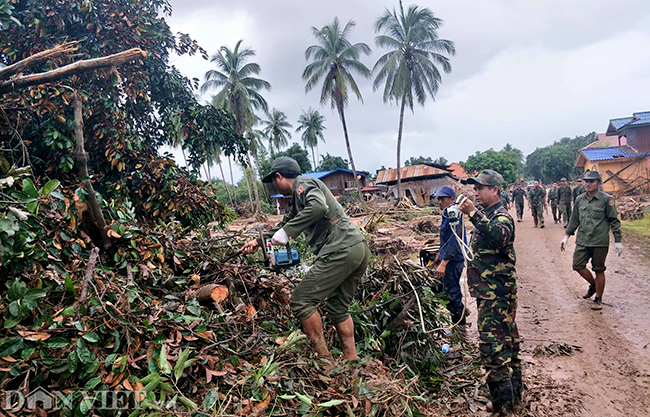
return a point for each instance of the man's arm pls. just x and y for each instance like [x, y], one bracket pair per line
[614, 222]
[315, 209]
[287, 217]
[574, 222]
[498, 231]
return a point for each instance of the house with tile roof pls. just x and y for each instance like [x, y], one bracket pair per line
[621, 167]
[636, 130]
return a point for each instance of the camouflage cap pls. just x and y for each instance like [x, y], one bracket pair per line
[487, 177]
[592, 175]
[287, 167]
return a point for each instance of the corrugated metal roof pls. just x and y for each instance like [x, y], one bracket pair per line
[603, 154]
[414, 171]
[322, 174]
[619, 123]
[641, 118]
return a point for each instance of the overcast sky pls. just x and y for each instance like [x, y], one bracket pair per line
[525, 72]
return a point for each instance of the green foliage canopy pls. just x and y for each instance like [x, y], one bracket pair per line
[558, 160]
[441, 160]
[507, 162]
[331, 162]
[295, 151]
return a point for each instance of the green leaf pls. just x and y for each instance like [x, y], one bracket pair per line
[181, 363]
[57, 342]
[287, 397]
[92, 383]
[188, 403]
[304, 398]
[13, 348]
[91, 337]
[49, 187]
[86, 405]
[330, 403]
[35, 294]
[72, 361]
[29, 189]
[210, 399]
[163, 364]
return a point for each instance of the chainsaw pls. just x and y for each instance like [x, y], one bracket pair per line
[275, 258]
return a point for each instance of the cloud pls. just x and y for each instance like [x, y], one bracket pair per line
[525, 73]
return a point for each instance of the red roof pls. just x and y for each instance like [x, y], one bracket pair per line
[457, 170]
[604, 141]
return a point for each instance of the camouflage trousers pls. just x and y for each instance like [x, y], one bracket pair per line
[520, 209]
[498, 337]
[565, 211]
[555, 211]
[538, 214]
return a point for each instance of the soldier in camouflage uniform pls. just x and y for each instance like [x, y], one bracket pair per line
[537, 203]
[505, 199]
[341, 252]
[553, 199]
[518, 196]
[564, 194]
[491, 278]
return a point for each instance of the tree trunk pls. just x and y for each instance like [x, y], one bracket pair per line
[313, 157]
[317, 153]
[205, 171]
[225, 183]
[81, 160]
[184, 157]
[399, 150]
[347, 144]
[207, 162]
[232, 180]
[254, 179]
[248, 187]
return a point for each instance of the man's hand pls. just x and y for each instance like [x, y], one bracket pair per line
[280, 238]
[563, 243]
[442, 267]
[618, 247]
[466, 206]
[250, 247]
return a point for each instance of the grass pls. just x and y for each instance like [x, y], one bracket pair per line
[637, 227]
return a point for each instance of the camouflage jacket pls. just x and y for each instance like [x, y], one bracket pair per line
[553, 195]
[565, 195]
[537, 196]
[492, 273]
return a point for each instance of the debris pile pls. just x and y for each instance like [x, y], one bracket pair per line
[633, 207]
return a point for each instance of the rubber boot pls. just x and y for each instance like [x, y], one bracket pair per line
[517, 389]
[502, 398]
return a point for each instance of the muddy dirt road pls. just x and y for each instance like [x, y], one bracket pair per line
[610, 376]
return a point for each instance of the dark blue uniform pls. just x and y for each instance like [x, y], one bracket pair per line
[450, 250]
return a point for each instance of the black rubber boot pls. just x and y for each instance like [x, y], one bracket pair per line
[517, 389]
[503, 401]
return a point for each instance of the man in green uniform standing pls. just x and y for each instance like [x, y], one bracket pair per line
[492, 280]
[553, 200]
[565, 196]
[518, 196]
[580, 188]
[594, 214]
[341, 252]
[538, 203]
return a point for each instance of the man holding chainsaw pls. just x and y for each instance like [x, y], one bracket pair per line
[341, 252]
[492, 280]
[450, 255]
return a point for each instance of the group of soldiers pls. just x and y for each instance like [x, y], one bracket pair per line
[560, 198]
[342, 256]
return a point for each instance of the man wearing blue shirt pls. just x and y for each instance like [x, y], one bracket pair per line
[451, 257]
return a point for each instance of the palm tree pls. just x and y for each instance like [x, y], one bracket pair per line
[334, 57]
[239, 90]
[276, 129]
[312, 126]
[410, 67]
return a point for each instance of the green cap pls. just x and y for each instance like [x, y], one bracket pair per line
[563, 179]
[592, 175]
[287, 167]
[487, 177]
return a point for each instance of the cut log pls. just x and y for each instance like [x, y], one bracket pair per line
[208, 295]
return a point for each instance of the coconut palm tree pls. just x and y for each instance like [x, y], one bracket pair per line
[276, 129]
[239, 90]
[312, 126]
[410, 69]
[334, 60]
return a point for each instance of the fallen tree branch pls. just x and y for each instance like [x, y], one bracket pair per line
[71, 69]
[90, 268]
[57, 52]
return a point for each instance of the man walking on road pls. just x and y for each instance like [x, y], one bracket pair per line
[538, 203]
[580, 188]
[553, 200]
[492, 280]
[565, 196]
[594, 214]
[341, 251]
[518, 196]
[451, 257]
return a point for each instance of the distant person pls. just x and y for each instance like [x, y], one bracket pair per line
[451, 257]
[554, 200]
[594, 215]
[579, 189]
[505, 199]
[565, 196]
[518, 196]
[342, 255]
[492, 280]
[537, 203]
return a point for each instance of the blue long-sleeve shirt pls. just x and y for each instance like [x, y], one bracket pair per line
[449, 247]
